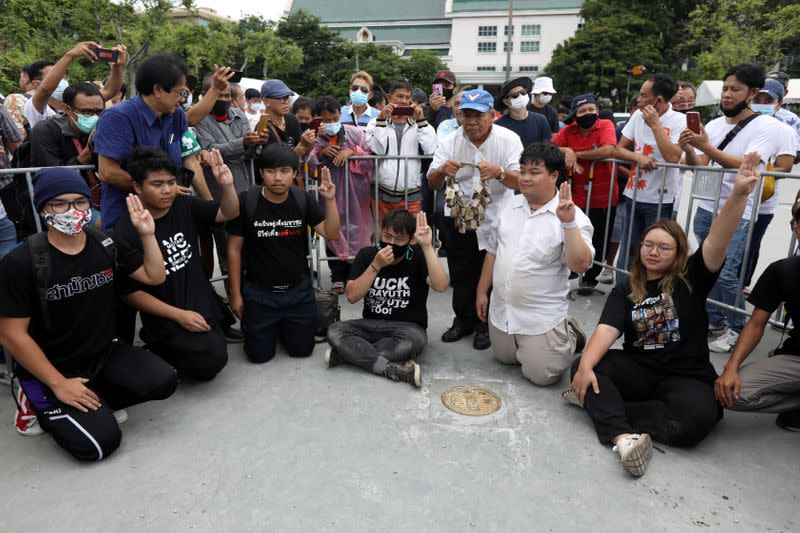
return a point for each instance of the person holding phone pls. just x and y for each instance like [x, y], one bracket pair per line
[401, 130]
[393, 280]
[280, 126]
[440, 102]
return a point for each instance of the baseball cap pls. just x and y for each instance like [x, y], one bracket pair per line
[477, 99]
[576, 103]
[445, 75]
[543, 84]
[781, 76]
[773, 88]
[275, 89]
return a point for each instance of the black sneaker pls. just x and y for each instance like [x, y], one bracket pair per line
[481, 340]
[332, 357]
[456, 332]
[580, 336]
[789, 420]
[408, 372]
[586, 288]
[233, 335]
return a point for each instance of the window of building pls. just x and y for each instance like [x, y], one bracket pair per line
[505, 32]
[529, 68]
[505, 68]
[581, 25]
[487, 48]
[531, 29]
[487, 31]
[505, 46]
[487, 69]
[529, 46]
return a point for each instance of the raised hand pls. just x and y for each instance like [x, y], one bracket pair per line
[122, 58]
[650, 116]
[326, 187]
[141, 219]
[220, 170]
[85, 49]
[221, 77]
[423, 234]
[748, 175]
[566, 208]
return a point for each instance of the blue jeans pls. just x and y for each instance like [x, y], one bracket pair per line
[726, 289]
[644, 215]
[8, 241]
[759, 229]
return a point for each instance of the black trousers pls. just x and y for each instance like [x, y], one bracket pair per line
[675, 410]
[464, 260]
[124, 376]
[598, 219]
[196, 355]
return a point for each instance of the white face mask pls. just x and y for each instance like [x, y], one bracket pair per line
[258, 106]
[519, 102]
[70, 223]
[545, 98]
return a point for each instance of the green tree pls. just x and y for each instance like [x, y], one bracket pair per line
[266, 48]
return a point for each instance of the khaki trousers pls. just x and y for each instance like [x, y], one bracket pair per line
[544, 358]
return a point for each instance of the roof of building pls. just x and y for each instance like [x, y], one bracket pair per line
[372, 11]
[409, 35]
[463, 6]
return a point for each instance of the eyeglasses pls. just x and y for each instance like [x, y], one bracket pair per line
[363, 88]
[283, 100]
[518, 93]
[62, 206]
[661, 249]
[184, 93]
[88, 112]
[393, 239]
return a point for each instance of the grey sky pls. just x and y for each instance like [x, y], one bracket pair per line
[269, 9]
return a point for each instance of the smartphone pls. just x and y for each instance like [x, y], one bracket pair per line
[403, 111]
[437, 89]
[693, 121]
[237, 76]
[107, 55]
[263, 122]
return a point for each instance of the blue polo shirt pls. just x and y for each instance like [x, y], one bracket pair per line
[128, 124]
[347, 115]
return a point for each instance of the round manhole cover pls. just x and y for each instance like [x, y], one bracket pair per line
[471, 401]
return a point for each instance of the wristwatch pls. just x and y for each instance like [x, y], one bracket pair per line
[502, 175]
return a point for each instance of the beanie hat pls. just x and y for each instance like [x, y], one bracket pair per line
[54, 181]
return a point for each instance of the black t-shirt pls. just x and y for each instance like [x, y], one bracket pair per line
[80, 302]
[549, 113]
[780, 282]
[187, 286]
[289, 136]
[275, 245]
[400, 292]
[531, 130]
[667, 332]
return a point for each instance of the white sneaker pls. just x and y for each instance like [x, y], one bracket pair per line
[606, 276]
[25, 421]
[725, 342]
[121, 416]
[635, 452]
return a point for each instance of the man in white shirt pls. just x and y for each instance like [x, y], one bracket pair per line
[739, 132]
[650, 137]
[400, 129]
[537, 239]
[479, 154]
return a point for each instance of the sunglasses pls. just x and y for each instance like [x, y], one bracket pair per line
[364, 89]
[516, 94]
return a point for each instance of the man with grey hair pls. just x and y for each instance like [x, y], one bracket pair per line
[479, 164]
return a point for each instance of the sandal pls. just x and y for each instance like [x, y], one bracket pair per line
[338, 287]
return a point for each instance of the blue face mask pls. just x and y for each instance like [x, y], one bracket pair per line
[358, 98]
[764, 109]
[332, 128]
[86, 124]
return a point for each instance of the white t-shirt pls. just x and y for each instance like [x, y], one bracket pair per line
[788, 142]
[644, 142]
[252, 119]
[30, 112]
[762, 134]
[2, 210]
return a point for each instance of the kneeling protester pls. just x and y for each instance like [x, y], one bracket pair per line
[182, 319]
[73, 372]
[393, 279]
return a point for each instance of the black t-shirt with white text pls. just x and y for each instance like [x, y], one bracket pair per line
[80, 302]
[780, 282]
[289, 136]
[667, 332]
[187, 286]
[399, 292]
[275, 245]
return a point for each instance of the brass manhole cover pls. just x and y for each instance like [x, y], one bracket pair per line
[471, 401]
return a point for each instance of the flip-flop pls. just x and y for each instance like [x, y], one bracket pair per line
[570, 396]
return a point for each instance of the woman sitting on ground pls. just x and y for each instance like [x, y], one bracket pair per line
[660, 385]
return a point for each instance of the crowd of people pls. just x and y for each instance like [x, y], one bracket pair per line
[521, 197]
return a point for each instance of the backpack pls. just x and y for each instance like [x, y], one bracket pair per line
[328, 309]
[42, 265]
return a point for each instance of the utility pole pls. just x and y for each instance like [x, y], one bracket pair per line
[510, 40]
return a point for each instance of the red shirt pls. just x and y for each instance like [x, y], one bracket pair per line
[603, 134]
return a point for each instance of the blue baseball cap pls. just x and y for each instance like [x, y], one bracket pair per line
[577, 102]
[773, 88]
[477, 99]
[275, 89]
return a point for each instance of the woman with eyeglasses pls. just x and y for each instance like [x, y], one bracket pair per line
[660, 385]
[359, 112]
[282, 126]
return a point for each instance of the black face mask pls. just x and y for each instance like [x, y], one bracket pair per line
[735, 110]
[220, 108]
[398, 250]
[447, 93]
[586, 121]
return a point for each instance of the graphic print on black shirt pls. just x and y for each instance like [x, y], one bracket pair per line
[655, 321]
